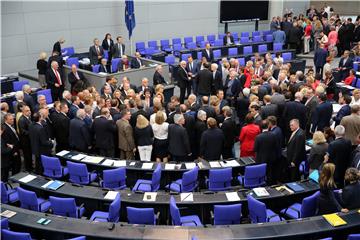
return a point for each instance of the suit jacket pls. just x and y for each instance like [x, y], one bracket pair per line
[182, 80]
[210, 111]
[178, 141]
[225, 40]
[296, 148]
[310, 109]
[29, 100]
[104, 132]
[104, 69]
[116, 50]
[134, 63]
[194, 69]
[350, 196]
[57, 47]
[79, 135]
[58, 59]
[93, 55]
[11, 138]
[24, 124]
[268, 110]
[51, 78]
[136, 114]
[229, 129]
[105, 45]
[348, 64]
[126, 136]
[6, 153]
[295, 109]
[320, 57]
[340, 154]
[158, 79]
[61, 128]
[267, 148]
[72, 111]
[217, 83]
[352, 127]
[204, 82]
[74, 81]
[235, 87]
[211, 144]
[39, 139]
[210, 56]
[279, 136]
[344, 111]
[322, 116]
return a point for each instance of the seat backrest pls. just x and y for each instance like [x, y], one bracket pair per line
[202, 44]
[257, 210]
[218, 42]
[176, 41]
[220, 179]
[245, 34]
[184, 57]
[244, 40]
[211, 38]
[217, 53]
[188, 39]
[286, 56]
[241, 62]
[28, 199]
[52, 166]
[114, 64]
[10, 235]
[227, 214]
[248, 50]
[269, 38]
[114, 209]
[165, 43]
[4, 223]
[232, 51]
[4, 195]
[106, 54]
[177, 47]
[357, 83]
[114, 178]
[221, 36]
[153, 44]
[174, 212]
[140, 215]
[140, 46]
[189, 179]
[191, 45]
[68, 51]
[354, 236]
[78, 172]
[309, 205]
[63, 206]
[277, 46]
[199, 55]
[47, 94]
[170, 59]
[356, 66]
[256, 33]
[72, 60]
[255, 175]
[235, 36]
[96, 68]
[256, 39]
[18, 85]
[262, 48]
[155, 179]
[199, 39]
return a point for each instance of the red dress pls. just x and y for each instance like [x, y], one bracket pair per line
[247, 139]
[349, 80]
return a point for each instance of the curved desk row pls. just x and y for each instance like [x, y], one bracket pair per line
[61, 227]
[202, 204]
[170, 171]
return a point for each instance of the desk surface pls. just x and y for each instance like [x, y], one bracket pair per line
[298, 229]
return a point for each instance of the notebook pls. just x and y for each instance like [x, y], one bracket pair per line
[334, 219]
[121, 163]
[170, 166]
[8, 214]
[108, 162]
[295, 187]
[55, 185]
[187, 197]
[78, 157]
[27, 178]
[147, 165]
[214, 164]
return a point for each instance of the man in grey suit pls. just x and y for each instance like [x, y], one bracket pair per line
[96, 52]
[119, 48]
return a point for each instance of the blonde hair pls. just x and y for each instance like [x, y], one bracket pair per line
[319, 137]
[159, 117]
[158, 87]
[142, 122]
[326, 179]
[43, 55]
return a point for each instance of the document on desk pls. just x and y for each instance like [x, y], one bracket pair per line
[334, 219]
[79, 156]
[224, 163]
[170, 166]
[147, 165]
[8, 214]
[190, 165]
[108, 162]
[261, 192]
[200, 165]
[47, 184]
[215, 164]
[92, 159]
[121, 163]
[187, 197]
[150, 197]
[111, 195]
[232, 196]
[62, 153]
[233, 163]
[27, 178]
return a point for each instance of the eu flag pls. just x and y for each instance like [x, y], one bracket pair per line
[130, 16]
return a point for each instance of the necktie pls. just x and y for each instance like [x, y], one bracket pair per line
[77, 75]
[190, 67]
[98, 50]
[139, 62]
[57, 77]
[214, 75]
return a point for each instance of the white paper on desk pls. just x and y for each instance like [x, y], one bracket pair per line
[200, 165]
[47, 184]
[147, 165]
[232, 196]
[150, 197]
[62, 153]
[170, 166]
[260, 192]
[79, 156]
[190, 165]
[121, 163]
[8, 214]
[214, 164]
[132, 164]
[92, 159]
[27, 178]
[224, 164]
[111, 195]
[108, 162]
[233, 163]
[187, 197]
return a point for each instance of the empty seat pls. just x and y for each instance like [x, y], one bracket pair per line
[96, 68]
[256, 33]
[184, 57]
[72, 60]
[178, 220]
[199, 55]
[18, 85]
[66, 207]
[11, 235]
[235, 36]
[227, 214]
[176, 41]
[165, 45]
[114, 179]
[218, 43]
[52, 167]
[269, 38]
[245, 34]
[241, 62]
[29, 200]
[287, 56]
[199, 39]
[191, 45]
[244, 40]
[149, 185]
[79, 174]
[219, 179]
[187, 40]
[170, 59]
[258, 212]
[8, 193]
[257, 39]
[254, 176]
[248, 50]
[68, 51]
[232, 51]
[221, 36]
[115, 65]
[140, 47]
[141, 216]
[153, 44]
[187, 183]
[262, 48]
[307, 208]
[211, 38]
[217, 53]
[112, 216]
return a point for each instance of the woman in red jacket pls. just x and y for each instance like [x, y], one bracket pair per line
[247, 136]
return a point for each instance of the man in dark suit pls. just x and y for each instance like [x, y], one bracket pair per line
[189, 125]
[339, 153]
[204, 81]
[345, 64]
[96, 52]
[208, 53]
[136, 62]
[140, 111]
[28, 99]
[75, 106]
[295, 150]
[40, 141]
[183, 81]
[158, 77]
[24, 123]
[179, 146]
[229, 129]
[57, 45]
[61, 128]
[345, 109]
[320, 58]
[104, 67]
[77, 80]
[311, 103]
[192, 69]
[79, 133]
[217, 83]
[228, 39]
[119, 48]
[212, 141]
[6, 154]
[269, 109]
[11, 137]
[55, 81]
[322, 114]
[210, 111]
[144, 85]
[232, 87]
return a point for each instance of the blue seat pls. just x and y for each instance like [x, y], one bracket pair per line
[96, 68]
[256, 33]
[217, 53]
[219, 179]
[184, 57]
[66, 207]
[199, 39]
[170, 59]
[165, 45]
[287, 56]
[188, 40]
[78, 238]
[187, 183]
[257, 39]
[267, 32]
[218, 43]
[140, 47]
[114, 65]
[199, 55]
[10, 235]
[18, 85]
[4, 223]
[248, 50]
[262, 48]
[227, 214]
[277, 47]
[191, 45]
[176, 41]
[8, 193]
[52, 167]
[235, 36]
[114, 179]
[141, 216]
[244, 40]
[178, 220]
[232, 51]
[149, 185]
[68, 51]
[306, 209]
[211, 38]
[29, 200]
[254, 176]
[269, 38]
[47, 94]
[241, 62]
[72, 60]
[79, 174]
[150, 51]
[177, 48]
[357, 83]
[112, 216]
[258, 212]
[221, 36]
[202, 44]
[245, 34]
[106, 54]
[153, 44]
[354, 237]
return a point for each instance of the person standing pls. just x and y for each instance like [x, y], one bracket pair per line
[351, 124]
[279, 36]
[160, 129]
[179, 146]
[6, 152]
[320, 58]
[212, 141]
[41, 66]
[126, 137]
[183, 81]
[322, 114]
[96, 53]
[229, 129]
[57, 46]
[11, 137]
[108, 45]
[79, 133]
[247, 136]
[55, 81]
[144, 138]
[307, 36]
[24, 124]
[317, 151]
[61, 127]
[119, 48]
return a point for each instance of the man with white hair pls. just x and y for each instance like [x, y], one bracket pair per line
[217, 80]
[295, 150]
[145, 85]
[27, 98]
[19, 96]
[158, 77]
[55, 81]
[79, 133]
[179, 146]
[41, 103]
[183, 81]
[67, 98]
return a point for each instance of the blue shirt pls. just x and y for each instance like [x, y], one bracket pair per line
[279, 36]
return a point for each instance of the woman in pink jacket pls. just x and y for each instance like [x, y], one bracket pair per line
[332, 41]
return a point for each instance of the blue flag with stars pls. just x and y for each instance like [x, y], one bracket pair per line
[130, 16]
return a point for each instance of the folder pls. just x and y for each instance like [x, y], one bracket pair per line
[295, 187]
[334, 219]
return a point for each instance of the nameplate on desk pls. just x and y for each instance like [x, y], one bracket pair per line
[190, 165]
[232, 196]
[111, 195]
[8, 214]
[108, 162]
[261, 192]
[27, 178]
[215, 164]
[78, 157]
[147, 165]
[92, 159]
[170, 166]
[334, 219]
[121, 163]
[62, 153]
[187, 197]
[150, 197]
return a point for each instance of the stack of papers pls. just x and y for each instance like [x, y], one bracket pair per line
[108, 162]
[187, 197]
[334, 220]
[111, 195]
[27, 178]
[78, 157]
[170, 166]
[261, 192]
[147, 165]
[8, 214]
[190, 165]
[121, 163]
[62, 153]
[232, 196]
[92, 159]
[295, 187]
[284, 189]
[150, 196]
[214, 164]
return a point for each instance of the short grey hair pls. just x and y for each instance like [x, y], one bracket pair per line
[178, 117]
[65, 93]
[201, 114]
[26, 87]
[339, 131]
[80, 113]
[40, 96]
[299, 96]
[19, 95]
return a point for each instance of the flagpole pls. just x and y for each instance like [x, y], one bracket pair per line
[131, 47]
